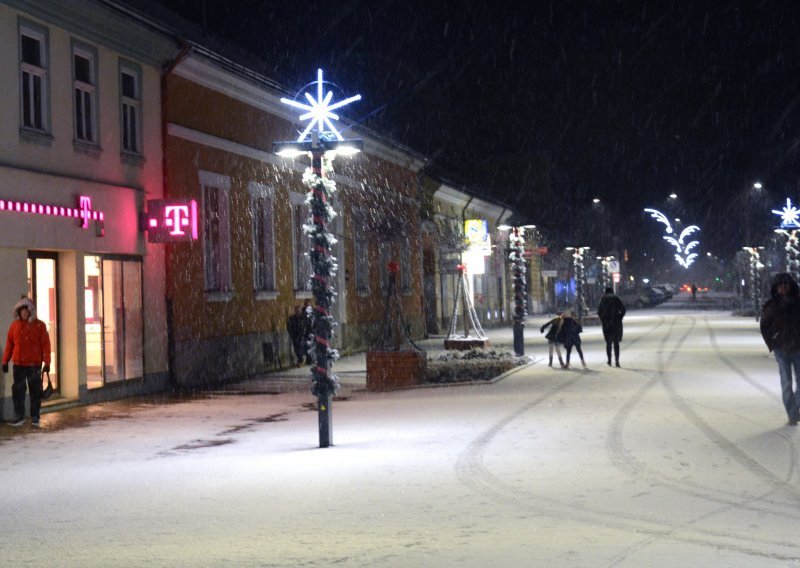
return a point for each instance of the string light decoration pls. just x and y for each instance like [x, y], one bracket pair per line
[755, 277]
[790, 223]
[684, 254]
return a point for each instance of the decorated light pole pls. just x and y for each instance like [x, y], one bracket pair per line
[755, 281]
[516, 251]
[579, 263]
[321, 145]
[790, 223]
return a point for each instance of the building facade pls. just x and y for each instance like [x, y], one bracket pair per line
[231, 290]
[80, 153]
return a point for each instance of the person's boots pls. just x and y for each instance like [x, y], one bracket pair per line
[561, 362]
[583, 362]
[550, 364]
[617, 363]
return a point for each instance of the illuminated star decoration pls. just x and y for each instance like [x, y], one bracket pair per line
[790, 215]
[684, 255]
[319, 112]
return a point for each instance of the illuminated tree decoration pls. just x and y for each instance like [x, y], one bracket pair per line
[516, 257]
[684, 255]
[319, 111]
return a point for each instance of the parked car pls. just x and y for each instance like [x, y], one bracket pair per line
[634, 298]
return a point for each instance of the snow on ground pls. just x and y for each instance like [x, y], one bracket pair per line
[681, 457]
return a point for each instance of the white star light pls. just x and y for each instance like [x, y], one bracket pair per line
[319, 111]
[790, 215]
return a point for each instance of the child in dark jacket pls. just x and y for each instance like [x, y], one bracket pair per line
[555, 326]
[570, 336]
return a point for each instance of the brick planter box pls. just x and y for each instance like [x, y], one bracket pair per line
[465, 343]
[387, 370]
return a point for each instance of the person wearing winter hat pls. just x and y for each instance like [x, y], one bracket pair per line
[28, 347]
[780, 328]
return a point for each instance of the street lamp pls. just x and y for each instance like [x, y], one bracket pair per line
[578, 257]
[516, 257]
[322, 146]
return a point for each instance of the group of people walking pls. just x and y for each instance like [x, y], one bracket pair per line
[566, 330]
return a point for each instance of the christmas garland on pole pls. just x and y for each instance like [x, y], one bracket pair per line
[324, 264]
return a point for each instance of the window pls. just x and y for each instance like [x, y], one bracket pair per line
[300, 243]
[361, 260]
[216, 234]
[262, 206]
[130, 106]
[112, 291]
[84, 79]
[33, 76]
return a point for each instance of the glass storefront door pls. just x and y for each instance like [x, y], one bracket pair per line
[42, 289]
[114, 326]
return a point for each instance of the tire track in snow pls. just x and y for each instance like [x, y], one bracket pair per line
[728, 500]
[472, 472]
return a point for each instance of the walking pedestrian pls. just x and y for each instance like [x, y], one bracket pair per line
[570, 336]
[780, 328]
[296, 326]
[28, 348]
[555, 326]
[611, 310]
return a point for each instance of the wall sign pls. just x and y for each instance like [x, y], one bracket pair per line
[83, 213]
[171, 220]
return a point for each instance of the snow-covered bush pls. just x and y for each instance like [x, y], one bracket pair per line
[471, 365]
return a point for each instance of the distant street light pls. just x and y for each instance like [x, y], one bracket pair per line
[322, 146]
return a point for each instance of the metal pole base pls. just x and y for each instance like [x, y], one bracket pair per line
[519, 339]
[325, 415]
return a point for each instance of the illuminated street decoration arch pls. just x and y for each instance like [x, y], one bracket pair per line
[319, 111]
[684, 254]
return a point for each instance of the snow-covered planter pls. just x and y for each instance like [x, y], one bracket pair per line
[471, 365]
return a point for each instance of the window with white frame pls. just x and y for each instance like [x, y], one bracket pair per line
[130, 80]
[33, 57]
[215, 190]
[262, 206]
[361, 260]
[405, 266]
[300, 243]
[84, 81]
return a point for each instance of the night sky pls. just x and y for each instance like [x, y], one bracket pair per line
[546, 107]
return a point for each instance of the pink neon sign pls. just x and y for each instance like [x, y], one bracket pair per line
[171, 220]
[83, 212]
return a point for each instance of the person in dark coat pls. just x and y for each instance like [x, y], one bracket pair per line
[308, 327]
[780, 328]
[555, 326]
[611, 311]
[296, 326]
[570, 336]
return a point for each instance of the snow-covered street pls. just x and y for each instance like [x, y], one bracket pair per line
[680, 458]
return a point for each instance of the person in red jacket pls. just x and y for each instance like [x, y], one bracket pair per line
[28, 347]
